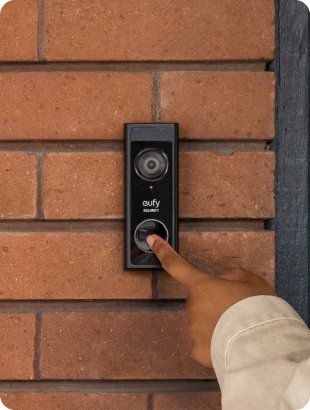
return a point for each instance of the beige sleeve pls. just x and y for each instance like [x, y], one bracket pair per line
[257, 351]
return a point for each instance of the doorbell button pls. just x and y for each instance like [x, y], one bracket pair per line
[149, 227]
[151, 164]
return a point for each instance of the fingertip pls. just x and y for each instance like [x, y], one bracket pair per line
[150, 240]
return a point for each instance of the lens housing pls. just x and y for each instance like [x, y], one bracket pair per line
[151, 164]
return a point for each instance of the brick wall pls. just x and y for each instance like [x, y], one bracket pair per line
[76, 330]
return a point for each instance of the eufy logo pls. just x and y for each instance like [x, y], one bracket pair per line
[151, 203]
[2, 3]
[2, 406]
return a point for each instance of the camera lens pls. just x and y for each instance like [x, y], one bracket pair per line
[151, 164]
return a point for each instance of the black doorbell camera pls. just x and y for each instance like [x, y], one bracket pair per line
[151, 191]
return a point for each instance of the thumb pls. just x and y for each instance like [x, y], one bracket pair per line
[172, 262]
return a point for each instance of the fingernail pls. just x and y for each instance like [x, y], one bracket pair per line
[150, 240]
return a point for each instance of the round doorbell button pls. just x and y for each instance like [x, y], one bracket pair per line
[146, 228]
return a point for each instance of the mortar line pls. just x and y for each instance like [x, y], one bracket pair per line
[40, 186]
[37, 347]
[110, 386]
[40, 307]
[150, 401]
[156, 78]
[153, 105]
[123, 66]
[41, 30]
[117, 225]
[155, 284]
[222, 147]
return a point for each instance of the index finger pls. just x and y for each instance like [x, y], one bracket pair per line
[172, 262]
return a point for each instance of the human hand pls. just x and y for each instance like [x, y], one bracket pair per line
[208, 296]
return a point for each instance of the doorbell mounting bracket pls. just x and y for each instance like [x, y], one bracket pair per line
[151, 191]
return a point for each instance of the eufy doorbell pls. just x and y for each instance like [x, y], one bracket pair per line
[151, 191]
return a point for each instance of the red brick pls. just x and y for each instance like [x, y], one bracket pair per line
[159, 30]
[188, 401]
[118, 345]
[214, 252]
[219, 105]
[18, 31]
[68, 265]
[73, 401]
[53, 106]
[76, 265]
[18, 184]
[240, 185]
[16, 346]
[90, 185]
[83, 185]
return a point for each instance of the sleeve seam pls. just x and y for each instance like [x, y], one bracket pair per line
[256, 325]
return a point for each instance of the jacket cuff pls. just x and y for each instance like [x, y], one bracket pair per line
[242, 316]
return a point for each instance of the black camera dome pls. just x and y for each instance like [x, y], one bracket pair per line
[151, 164]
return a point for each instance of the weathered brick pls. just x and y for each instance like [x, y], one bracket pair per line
[18, 31]
[80, 265]
[55, 105]
[188, 401]
[219, 105]
[16, 347]
[18, 184]
[214, 252]
[159, 30]
[67, 265]
[83, 185]
[73, 401]
[90, 185]
[118, 345]
[240, 185]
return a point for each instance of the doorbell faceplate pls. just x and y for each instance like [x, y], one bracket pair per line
[151, 191]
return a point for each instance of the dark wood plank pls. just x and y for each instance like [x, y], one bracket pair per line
[291, 148]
